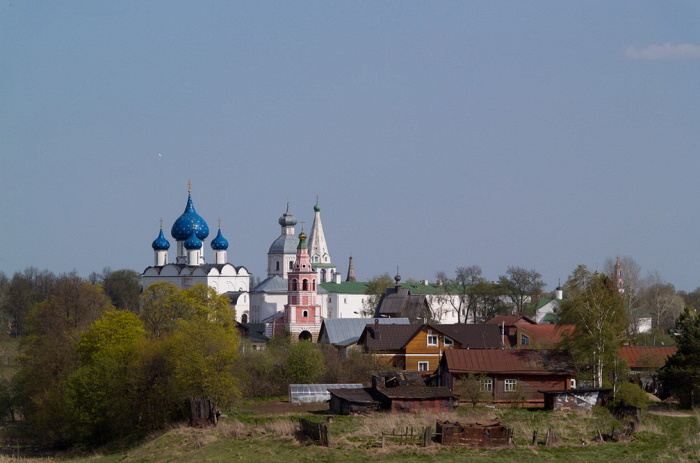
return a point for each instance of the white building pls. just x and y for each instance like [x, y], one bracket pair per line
[190, 267]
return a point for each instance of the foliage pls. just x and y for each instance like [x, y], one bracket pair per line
[632, 281]
[522, 286]
[596, 310]
[660, 301]
[305, 363]
[9, 398]
[629, 394]
[681, 374]
[206, 359]
[376, 286]
[123, 287]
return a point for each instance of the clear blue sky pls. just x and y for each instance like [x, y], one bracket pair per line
[437, 134]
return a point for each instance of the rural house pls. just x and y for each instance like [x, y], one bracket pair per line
[509, 375]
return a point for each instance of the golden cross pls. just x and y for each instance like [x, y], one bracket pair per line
[219, 222]
[302, 225]
[161, 222]
[189, 186]
[316, 199]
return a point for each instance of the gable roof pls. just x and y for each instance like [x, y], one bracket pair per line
[399, 302]
[646, 356]
[346, 331]
[388, 337]
[512, 320]
[473, 336]
[524, 361]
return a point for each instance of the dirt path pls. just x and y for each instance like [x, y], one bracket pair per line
[286, 407]
[670, 413]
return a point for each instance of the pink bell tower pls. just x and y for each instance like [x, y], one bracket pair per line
[302, 315]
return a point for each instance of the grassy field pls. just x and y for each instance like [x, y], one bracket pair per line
[269, 437]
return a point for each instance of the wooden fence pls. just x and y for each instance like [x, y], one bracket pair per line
[316, 431]
[409, 436]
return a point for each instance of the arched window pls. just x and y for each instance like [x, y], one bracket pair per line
[244, 318]
[277, 266]
[291, 265]
[313, 285]
[294, 285]
[304, 313]
[305, 285]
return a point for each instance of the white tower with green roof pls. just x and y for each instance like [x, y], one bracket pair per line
[318, 249]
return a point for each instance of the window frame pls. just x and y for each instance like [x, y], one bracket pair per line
[432, 337]
[486, 384]
[425, 364]
[510, 385]
[524, 339]
[448, 342]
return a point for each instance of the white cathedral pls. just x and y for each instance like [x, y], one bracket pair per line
[252, 305]
[190, 267]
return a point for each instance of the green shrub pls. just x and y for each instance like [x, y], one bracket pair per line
[630, 394]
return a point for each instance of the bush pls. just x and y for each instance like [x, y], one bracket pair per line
[630, 394]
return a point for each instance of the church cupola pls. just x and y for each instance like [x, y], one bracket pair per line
[193, 246]
[220, 246]
[160, 248]
[186, 224]
[282, 252]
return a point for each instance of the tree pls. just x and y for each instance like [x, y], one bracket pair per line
[458, 290]
[305, 363]
[471, 388]
[49, 353]
[632, 281]
[681, 374]
[123, 287]
[659, 299]
[596, 310]
[376, 286]
[489, 301]
[522, 286]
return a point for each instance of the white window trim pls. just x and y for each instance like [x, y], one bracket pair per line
[427, 366]
[509, 385]
[432, 336]
[524, 337]
[449, 342]
[486, 384]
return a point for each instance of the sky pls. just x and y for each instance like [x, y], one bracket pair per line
[436, 134]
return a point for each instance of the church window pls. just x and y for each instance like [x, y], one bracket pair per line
[305, 285]
[277, 265]
[294, 285]
[291, 265]
[305, 313]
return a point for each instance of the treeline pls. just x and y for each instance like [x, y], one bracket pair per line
[93, 369]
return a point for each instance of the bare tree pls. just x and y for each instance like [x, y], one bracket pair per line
[522, 286]
[458, 291]
[632, 281]
[659, 299]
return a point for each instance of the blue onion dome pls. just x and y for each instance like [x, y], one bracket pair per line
[317, 208]
[193, 242]
[287, 219]
[219, 243]
[161, 244]
[182, 228]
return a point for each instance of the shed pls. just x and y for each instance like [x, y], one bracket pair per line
[570, 399]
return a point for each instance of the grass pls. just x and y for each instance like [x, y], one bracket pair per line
[354, 439]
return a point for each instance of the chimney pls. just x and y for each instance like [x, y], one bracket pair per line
[377, 334]
[336, 277]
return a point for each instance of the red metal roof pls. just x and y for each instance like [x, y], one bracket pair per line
[551, 333]
[530, 361]
[646, 356]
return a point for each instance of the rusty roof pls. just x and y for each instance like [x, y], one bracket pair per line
[416, 392]
[647, 356]
[473, 336]
[551, 333]
[512, 320]
[526, 361]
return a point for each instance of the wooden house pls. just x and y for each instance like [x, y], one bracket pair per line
[420, 347]
[509, 376]
[644, 363]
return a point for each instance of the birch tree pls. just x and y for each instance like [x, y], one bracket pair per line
[597, 311]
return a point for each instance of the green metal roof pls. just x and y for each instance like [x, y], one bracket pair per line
[350, 287]
[319, 264]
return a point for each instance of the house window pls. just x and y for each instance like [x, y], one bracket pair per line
[423, 366]
[524, 340]
[449, 342]
[432, 340]
[304, 313]
[572, 383]
[486, 385]
[510, 385]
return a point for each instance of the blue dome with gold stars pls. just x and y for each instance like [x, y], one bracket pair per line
[193, 242]
[219, 243]
[182, 228]
[161, 244]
